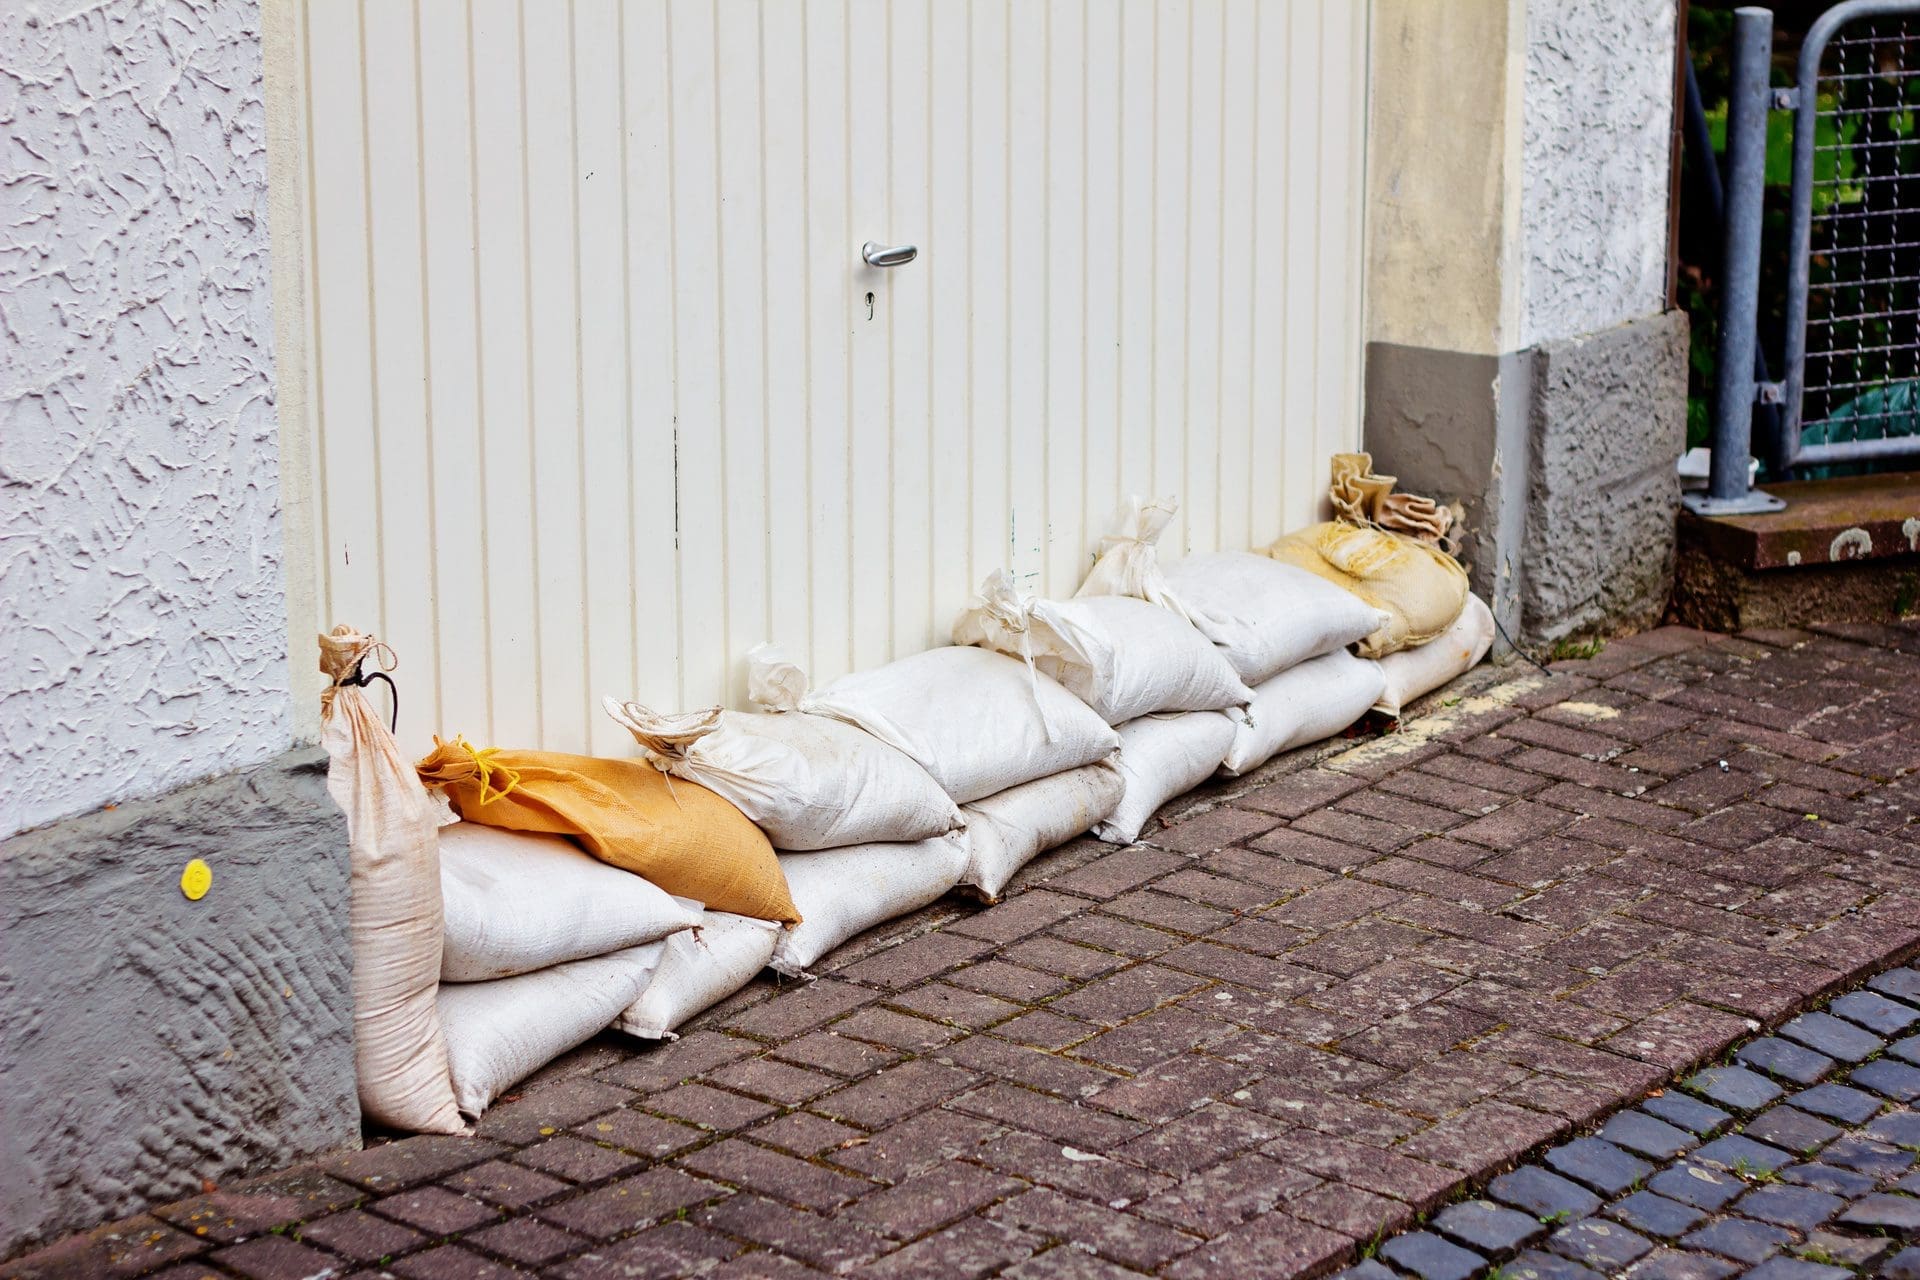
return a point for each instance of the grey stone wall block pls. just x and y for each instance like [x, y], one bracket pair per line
[1607, 423]
[149, 1042]
[1596, 158]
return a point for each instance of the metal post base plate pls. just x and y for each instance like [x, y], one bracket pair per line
[1752, 503]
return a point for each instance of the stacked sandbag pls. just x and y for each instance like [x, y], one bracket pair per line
[501, 1032]
[1265, 619]
[394, 911]
[546, 946]
[1386, 548]
[863, 833]
[845, 892]
[807, 781]
[478, 955]
[1419, 589]
[516, 902]
[1305, 703]
[1413, 672]
[1126, 659]
[1265, 616]
[1010, 829]
[978, 722]
[1162, 757]
[1121, 656]
[699, 967]
[678, 835]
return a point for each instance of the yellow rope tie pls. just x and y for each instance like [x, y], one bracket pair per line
[484, 767]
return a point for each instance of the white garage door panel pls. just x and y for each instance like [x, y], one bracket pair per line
[596, 396]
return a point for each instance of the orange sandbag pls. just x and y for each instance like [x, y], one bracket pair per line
[678, 834]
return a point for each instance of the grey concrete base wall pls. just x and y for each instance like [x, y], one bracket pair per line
[149, 1042]
[1561, 461]
[1608, 422]
[1452, 425]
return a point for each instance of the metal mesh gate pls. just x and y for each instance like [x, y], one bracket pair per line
[1853, 316]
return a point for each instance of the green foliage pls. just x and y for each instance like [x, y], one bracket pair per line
[1906, 597]
[1567, 648]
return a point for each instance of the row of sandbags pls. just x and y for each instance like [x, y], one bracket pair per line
[759, 839]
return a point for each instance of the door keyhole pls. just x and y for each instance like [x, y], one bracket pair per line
[869, 304]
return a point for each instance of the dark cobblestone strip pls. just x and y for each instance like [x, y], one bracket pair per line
[1792, 1161]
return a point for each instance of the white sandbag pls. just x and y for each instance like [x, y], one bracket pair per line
[1161, 757]
[1303, 704]
[699, 968]
[1263, 621]
[809, 782]
[1009, 830]
[499, 1033]
[1127, 563]
[1267, 616]
[1424, 668]
[394, 910]
[842, 892]
[516, 902]
[978, 721]
[1123, 657]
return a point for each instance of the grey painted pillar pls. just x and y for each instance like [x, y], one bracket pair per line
[1519, 363]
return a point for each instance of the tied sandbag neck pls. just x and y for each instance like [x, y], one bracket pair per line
[1127, 563]
[775, 681]
[460, 761]
[1363, 498]
[343, 656]
[1012, 613]
[664, 740]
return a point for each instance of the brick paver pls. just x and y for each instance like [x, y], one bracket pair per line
[1330, 997]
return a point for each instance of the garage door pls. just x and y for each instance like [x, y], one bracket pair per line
[600, 391]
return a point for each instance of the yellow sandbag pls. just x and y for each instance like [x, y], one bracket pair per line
[681, 836]
[1420, 586]
[1385, 548]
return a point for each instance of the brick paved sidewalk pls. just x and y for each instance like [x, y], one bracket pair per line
[1282, 1026]
[1794, 1160]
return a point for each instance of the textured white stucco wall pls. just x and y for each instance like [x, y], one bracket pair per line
[142, 610]
[1596, 122]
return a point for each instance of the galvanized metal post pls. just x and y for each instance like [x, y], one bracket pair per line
[1734, 385]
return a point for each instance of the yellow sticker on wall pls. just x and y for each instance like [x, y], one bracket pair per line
[195, 880]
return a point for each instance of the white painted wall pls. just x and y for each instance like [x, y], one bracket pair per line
[594, 395]
[1596, 164]
[142, 617]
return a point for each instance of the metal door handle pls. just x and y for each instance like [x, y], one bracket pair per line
[880, 255]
